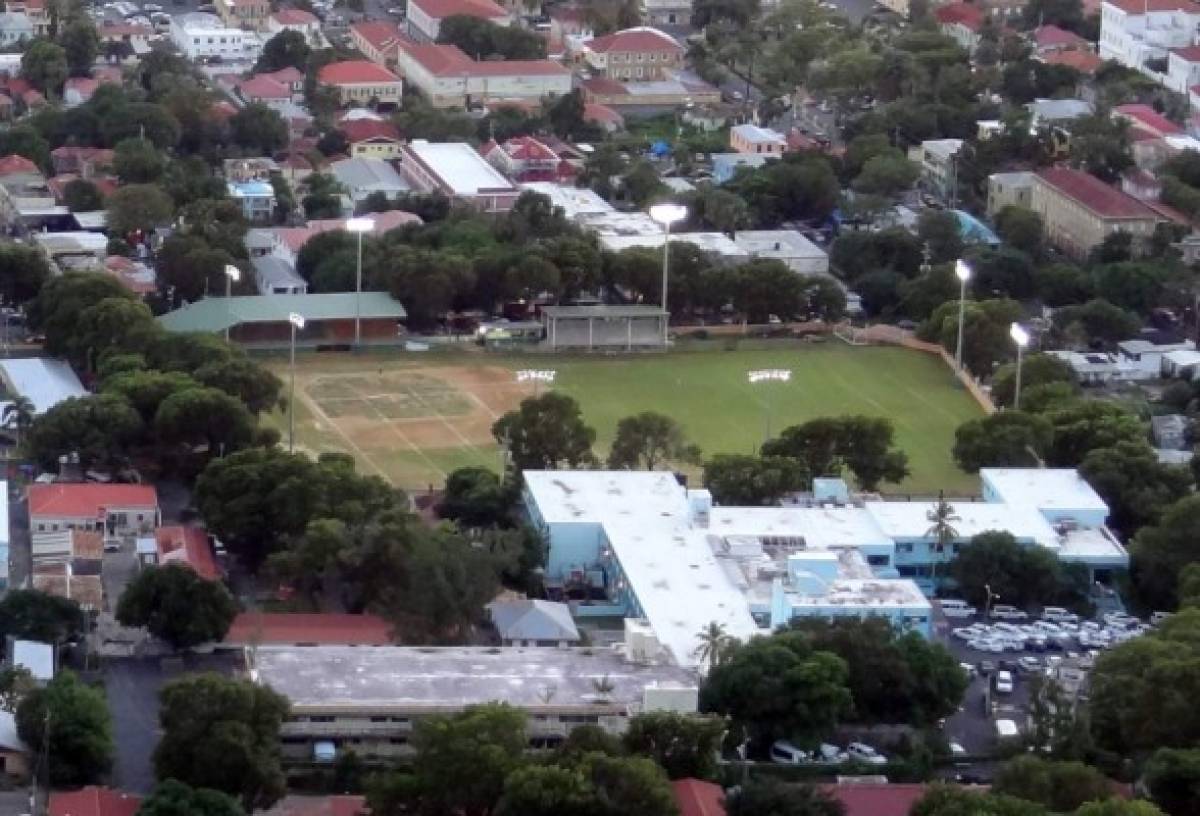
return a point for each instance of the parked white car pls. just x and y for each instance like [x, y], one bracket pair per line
[1057, 614]
[831, 754]
[1008, 612]
[955, 608]
[784, 753]
[865, 753]
[1004, 682]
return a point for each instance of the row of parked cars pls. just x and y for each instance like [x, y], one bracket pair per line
[785, 753]
[1058, 632]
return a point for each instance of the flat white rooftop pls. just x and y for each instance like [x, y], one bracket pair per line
[460, 167]
[777, 244]
[620, 223]
[759, 135]
[821, 527]
[1044, 488]
[717, 243]
[575, 201]
[401, 677]
[902, 520]
[43, 381]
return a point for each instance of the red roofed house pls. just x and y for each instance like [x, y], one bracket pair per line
[1079, 211]
[86, 161]
[451, 79]
[265, 90]
[188, 546]
[93, 801]
[425, 16]
[377, 41]
[370, 139]
[695, 797]
[524, 159]
[363, 83]
[303, 629]
[1085, 62]
[876, 799]
[640, 53]
[604, 116]
[111, 508]
[302, 22]
[15, 165]
[961, 22]
[1148, 119]
[1050, 39]
[78, 90]
[296, 805]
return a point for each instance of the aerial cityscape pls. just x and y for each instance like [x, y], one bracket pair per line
[600, 408]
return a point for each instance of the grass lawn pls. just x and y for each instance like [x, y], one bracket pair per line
[706, 391]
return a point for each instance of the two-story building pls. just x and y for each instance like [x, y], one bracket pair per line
[15, 28]
[362, 83]
[962, 23]
[938, 169]
[1141, 34]
[635, 53]
[251, 15]
[457, 171]
[112, 509]
[201, 36]
[450, 79]
[425, 17]
[526, 159]
[302, 22]
[377, 41]
[371, 139]
[1079, 211]
[256, 199]
[757, 141]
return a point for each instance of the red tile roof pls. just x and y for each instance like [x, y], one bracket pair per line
[439, 60]
[355, 72]
[876, 799]
[1149, 119]
[695, 797]
[286, 76]
[263, 87]
[13, 164]
[527, 148]
[963, 14]
[296, 805]
[1139, 7]
[1085, 62]
[223, 109]
[379, 33]
[441, 9]
[187, 545]
[1051, 35]
[360, 130]
[642, 38]
[494, 68]
[1190, 53]
[94, 801]
[88, 500]
[1094, 194]
[322, 629]
[294, 16]
[124, 30]
[594, 112]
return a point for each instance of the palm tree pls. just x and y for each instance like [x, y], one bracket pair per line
[20, 413]
[714, 644]
[942, 518]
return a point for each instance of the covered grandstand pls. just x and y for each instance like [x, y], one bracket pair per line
[605, 327]
[261, 321]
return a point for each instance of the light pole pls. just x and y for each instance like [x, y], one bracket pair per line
[358, 226]
[537, 377]
[667, 214]
[297, 322]
[963, 271]
[768, 375]
[1021, 338]
[991, 596]
[232, 276]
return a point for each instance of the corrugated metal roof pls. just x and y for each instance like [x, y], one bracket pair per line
[218, 314]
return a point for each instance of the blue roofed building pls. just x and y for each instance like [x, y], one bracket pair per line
[256, 198]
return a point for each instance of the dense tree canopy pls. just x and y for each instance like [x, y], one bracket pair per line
[647, 440]
[70, 722]
[28, 614]
[739, 480]
[177, 605]
[1019, 575]
[1059, 786]
[546, 432]
[173, 798]
[1002, 439]
[1161, 551]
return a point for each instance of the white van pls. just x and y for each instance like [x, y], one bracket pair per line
[784, 753]
[954, 608]
[1004, 682]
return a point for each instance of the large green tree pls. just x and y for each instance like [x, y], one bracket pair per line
[69, 723]
[138, 208]
[1172, 776]
[770, 797]
[476, 497]
[463, 759]
[223, 734]
[287, 48]
[952, 800]
[1134, 484]
[649, 439]
[1059, 786]
[1161, 551]
[1020, 575]
[683, 745]
[545, 433]
[1081, 426]
[28, 614]
[206, 417]
[138, 161]
[1002, 439]
[44, 64]
[176, 605]
[101, 429]
[23, 271]
[173, 798]
[755, 481]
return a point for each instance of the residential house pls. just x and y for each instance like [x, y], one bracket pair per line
[790, 247]
[15, 28]
[36, 11]
[93, 801]
[1146, 119]
[1051, 39]
[451, 79]
[308, 629]
[203, 36]
[135, 36]
[726, 165]
[939, 173]
[258, 168]
[675, 92]
[297, 805]
[14, 754]
[113, 509]
[275, 276]
[604, 116]
[666, 12]
[135, 276]
[1147, 354]
[85, 162]
[362, 83]
[371, 139]
[961, 22]
[425, 17]
[77, 90]
[1044, 113]
[264, 90]
[641, 53]
[364, 176]
[457, 171]
[256, 199]
[286, 242]
[758, 141]
[1009, 190]
[1140, 34]
[251, 15]
[301, 21]
[1079, 211]
[21, 185]
[188, 546]
[377, 41]
[533, 623]
[525, 159]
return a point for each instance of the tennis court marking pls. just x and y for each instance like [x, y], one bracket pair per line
[395, 430]
[319, 412]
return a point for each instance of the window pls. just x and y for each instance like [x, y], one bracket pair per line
[321, 718]
[878, 560]
[379, 719]
[904, 548]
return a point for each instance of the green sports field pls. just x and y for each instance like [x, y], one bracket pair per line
[412, 418]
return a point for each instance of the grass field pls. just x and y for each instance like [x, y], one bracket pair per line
[413, 418]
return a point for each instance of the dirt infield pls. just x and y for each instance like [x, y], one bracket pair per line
[411, 425]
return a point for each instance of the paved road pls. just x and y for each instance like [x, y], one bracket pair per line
[20, 557]
[14, 803]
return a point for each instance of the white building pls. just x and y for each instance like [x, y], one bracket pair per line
[1139, 34]
[425, 16]
[43, 381]
[204, 36]
[800, 254]
[456, 170]
[1147, 356]
[573, 201]
[302, 22]
[938, 171]
[665, 554]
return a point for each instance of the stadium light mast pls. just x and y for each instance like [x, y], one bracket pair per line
[537, 376]
[667, 214]
[297, 322]
[232, 276]
[963, 270]
[767, 375]
[358, 226]
[1021, 337]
